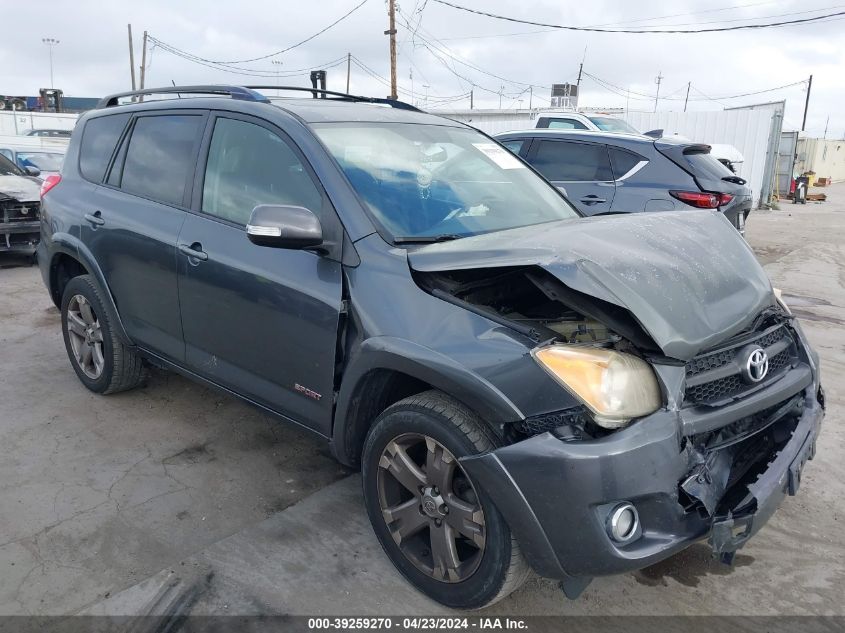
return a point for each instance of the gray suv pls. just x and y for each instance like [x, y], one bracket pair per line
[522, 387]
[609, 172]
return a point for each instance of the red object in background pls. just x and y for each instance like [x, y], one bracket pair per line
[792, 185]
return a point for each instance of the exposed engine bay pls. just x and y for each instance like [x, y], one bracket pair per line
[525, 297]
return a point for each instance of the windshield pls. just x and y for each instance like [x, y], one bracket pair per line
[8, 168]
[42, 160]
[432, 180]
[610, 124]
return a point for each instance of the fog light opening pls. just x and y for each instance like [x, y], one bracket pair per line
[623, 523]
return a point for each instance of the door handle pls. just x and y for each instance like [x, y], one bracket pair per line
[96, 218]
[194, 251]
[592, 199]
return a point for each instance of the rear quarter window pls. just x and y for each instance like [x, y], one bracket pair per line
[704, 165]
[98, 142]
[623, 161]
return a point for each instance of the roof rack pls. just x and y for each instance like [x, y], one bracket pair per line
[342, 96]
[235, 92]
[248, 93]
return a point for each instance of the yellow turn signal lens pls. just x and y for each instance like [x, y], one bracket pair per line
[616, 387]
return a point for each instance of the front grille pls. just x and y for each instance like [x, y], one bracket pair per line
[716, 376]
[13, 211]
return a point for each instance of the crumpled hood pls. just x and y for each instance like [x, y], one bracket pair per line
[19, 188]
[688, 277]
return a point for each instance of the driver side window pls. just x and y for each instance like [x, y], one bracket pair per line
[250, 165]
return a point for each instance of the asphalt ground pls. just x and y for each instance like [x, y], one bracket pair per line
[174, 496]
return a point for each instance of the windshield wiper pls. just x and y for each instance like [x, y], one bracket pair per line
[426, 239]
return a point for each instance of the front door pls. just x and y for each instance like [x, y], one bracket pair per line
[582, 170]
[260, 321]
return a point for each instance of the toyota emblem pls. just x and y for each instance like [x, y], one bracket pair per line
[757, 365]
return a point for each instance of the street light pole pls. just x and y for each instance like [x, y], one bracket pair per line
[278, 64]
[50, 42]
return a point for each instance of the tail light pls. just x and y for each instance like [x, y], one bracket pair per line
[697, 199]
[49, 182]
[703, 199]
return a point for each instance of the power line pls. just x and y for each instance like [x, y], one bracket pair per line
[601, 30]
[651, 19]
[306, 40]
[641, 96]
[235, 70]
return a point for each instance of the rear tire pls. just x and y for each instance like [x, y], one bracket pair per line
[482, 562]
[98, 356]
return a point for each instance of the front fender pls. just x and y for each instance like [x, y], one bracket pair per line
[67, 244]
[425, 364]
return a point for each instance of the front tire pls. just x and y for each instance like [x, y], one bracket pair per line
[100, 359]
[441, 532]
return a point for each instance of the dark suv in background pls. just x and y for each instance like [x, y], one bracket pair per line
[522, 387]
[605, 172]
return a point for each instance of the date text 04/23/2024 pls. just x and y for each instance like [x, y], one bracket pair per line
[418, 624]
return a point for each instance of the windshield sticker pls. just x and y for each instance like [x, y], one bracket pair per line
[499, 155]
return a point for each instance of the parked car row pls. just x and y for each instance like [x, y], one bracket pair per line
[20, 206]
[522, 385]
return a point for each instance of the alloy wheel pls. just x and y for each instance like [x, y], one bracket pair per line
[85, 336]
[431, 508]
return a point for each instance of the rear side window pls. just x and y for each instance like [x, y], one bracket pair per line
[160, 157]
[623, 161]
[573, 162]
[562, 124]
[250, 165]
[98, 141]
[702, 164]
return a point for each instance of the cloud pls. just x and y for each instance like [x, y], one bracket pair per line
[92, 58]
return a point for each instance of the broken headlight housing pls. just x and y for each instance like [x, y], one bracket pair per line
[615, 387]
[779, 297]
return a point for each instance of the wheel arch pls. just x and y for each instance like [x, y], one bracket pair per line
[384, 370]
[71, 258]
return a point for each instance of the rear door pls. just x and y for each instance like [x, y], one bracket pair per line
[260, 321]
[582, 170]
[132, 220]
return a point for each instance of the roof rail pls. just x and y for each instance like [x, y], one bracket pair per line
[342, 96]
[235, 92]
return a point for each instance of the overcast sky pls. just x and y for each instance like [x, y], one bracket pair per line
[452, 51]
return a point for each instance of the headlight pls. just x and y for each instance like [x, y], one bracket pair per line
[616, 387]
[779, 296]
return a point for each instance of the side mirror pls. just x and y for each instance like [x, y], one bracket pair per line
[284, 226]
[562, 190]
[32, 171]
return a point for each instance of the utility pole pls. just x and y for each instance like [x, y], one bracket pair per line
[143, 63]
[580, 69]
[825, 126]
[131, 56]
[530, 97]
[348, 70]
[391, 12]
[470, 99]
[501, 91]
[807, 103]
[689, 83]
[657, 80]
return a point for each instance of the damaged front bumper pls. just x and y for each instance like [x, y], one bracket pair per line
[557, 495]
